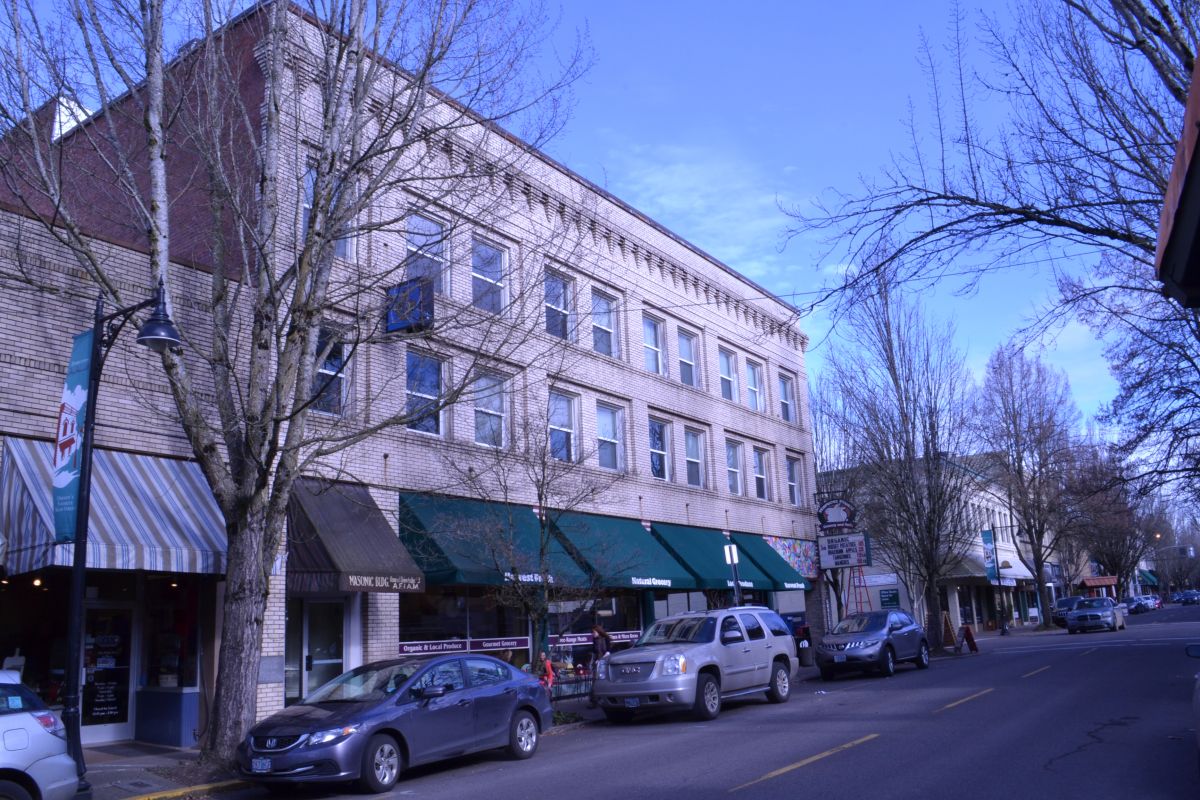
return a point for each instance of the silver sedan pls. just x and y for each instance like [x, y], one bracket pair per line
[1095, 613]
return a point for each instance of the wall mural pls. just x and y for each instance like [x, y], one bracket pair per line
[800, 553]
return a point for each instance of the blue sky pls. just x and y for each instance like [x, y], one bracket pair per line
[708, 115]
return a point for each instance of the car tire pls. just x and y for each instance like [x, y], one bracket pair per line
[618, 716]
[1070, 631]
[382, 763]
[522, 735]
[887, 662]
[922, 659]
[708, 697]
[827, 674]
[781, 683]
[13, 791]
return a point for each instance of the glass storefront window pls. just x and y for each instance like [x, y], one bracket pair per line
[172, 631]
[440, 613]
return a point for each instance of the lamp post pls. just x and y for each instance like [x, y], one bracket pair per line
[159, 334]
[731, 558]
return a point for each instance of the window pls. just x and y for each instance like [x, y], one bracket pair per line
[787, 398]
[795, 480]
[487, 277]
[489, 410]
[424, 392]
[687, 359]
[341, 246]
[426, 245]
[604, 324]
[329, 382]
[558, 298]
[485, 672]
[652, 344]
[754, 386]
[733, 466]
[562, 426]
[609, 436]
[660, 449]
[754, 628]
[762, 486]
[694, 456]
[447, 675]
[729, 386]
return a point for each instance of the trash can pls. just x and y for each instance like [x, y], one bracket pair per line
[807, 658]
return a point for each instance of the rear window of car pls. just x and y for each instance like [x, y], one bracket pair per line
[15, 698]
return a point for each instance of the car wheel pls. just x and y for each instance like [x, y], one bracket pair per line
[1071, 631]
[827, 674]
[781, 684]
[13, 791]
[887, 662]
[381, 764]
[618, 716]
[922, 659]
[708, 697]
[522, 735]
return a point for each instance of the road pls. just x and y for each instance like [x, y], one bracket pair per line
[1094, 715]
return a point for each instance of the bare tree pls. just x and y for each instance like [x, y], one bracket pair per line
[299, 146]
[906, 395]
[1117, 529]
[1027, 425]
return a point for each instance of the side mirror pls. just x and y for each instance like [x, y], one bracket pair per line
[895, 626]
[1192, 650]
[430, 692]
[730, 637]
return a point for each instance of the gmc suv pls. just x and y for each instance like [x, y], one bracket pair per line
[698, 659]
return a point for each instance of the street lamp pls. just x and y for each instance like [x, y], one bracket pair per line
[731, 558]
[159, 334]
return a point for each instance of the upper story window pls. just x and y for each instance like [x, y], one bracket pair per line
[762, 483]
[604, 324]
[610, 438]
[562, 424]
[729, 381]
[329, 381]
[426, 242]
[688, 374]
[652, 344]
[795, 480]
[787, 398]
[693, 441]
[424, 393]
[755, 399]
[341, 245]
[487, 277]
[660, 449]
[558, 305]
[490, 417]
[733, 465]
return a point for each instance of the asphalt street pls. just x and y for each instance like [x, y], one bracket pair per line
[1094, 715]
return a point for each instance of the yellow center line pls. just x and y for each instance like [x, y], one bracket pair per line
[965, 699]
[1036, 671]
[807, 761]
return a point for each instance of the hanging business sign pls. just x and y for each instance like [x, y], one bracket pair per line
[839, 551]
[835, 515]
[68, 439]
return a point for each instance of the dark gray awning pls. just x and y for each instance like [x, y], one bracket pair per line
[339, 541]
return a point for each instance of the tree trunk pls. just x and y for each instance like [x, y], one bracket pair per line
[933, 622]
[236, 696]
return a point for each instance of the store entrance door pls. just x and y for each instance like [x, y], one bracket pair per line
[315, 651]
[109, 652]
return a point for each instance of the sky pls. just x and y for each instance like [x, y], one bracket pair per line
[709, 116]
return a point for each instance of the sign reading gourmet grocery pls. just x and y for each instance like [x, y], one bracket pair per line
[842, 550]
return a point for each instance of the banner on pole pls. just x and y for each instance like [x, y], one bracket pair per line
[68, 439]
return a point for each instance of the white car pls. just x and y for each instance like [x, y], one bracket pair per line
[34, 762]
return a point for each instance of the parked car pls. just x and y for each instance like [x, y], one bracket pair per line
[1061, 607]
[1190, 598]
[34, 762]
[1136, 605]
[1176, 597]
[373, 722]
[873, 640]
[696, 661]
[1095, 613]
[1157, 600]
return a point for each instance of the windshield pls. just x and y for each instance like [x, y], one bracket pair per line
[1095, 602]
[693, 630]
[365, 684]
[857, 623]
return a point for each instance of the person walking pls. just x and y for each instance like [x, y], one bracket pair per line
[601, 647]
[544, 669]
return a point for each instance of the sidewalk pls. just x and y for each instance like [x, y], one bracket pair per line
[129, 770]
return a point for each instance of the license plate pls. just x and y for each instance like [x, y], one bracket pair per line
[839, 658]
[260, 765]
[633, 702]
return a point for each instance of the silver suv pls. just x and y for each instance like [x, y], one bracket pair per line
[698, 659]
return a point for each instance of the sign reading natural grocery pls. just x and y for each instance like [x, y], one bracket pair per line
[844, 550]
[68, 439]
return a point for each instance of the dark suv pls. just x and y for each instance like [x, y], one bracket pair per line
[1063, 606]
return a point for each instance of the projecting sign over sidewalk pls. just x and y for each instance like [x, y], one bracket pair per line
[844, 550]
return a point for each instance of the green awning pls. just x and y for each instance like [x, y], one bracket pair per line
[622, 553]
[702, 550]
[1148, 577]
[771, 562]
[456, 540]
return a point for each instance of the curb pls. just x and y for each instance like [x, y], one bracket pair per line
[184, 791]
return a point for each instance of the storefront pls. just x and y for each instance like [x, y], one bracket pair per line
[156, 551]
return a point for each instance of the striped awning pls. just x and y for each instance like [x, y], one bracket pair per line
[148, 513]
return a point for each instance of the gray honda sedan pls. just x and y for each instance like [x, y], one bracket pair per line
[369, 724]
